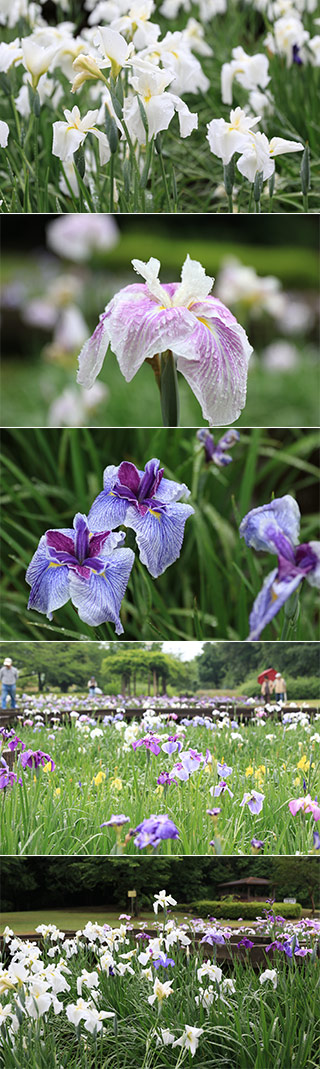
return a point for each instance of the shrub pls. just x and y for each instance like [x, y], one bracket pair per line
[303, 688]
[246, 910]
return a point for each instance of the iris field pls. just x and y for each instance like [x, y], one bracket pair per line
[83, 787]
[101, 999]
[148, 82]
[208, 592]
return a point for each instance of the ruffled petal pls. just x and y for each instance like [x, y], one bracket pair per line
[49, 582]
[314, 577]
[214, 360]
[99, 600]
[114, 539]
[281, 516]
[93, 353]
[107, 511]
[159, 535]
[169, 491]
[140, 328]
[270, 600]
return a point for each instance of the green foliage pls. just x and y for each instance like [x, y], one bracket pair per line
[246, 910]
[221, 665]
[301, 688]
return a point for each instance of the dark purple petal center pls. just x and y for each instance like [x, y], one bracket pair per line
[140, 492]
[80, 552]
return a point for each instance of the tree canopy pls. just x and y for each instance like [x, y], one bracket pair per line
[31, 883]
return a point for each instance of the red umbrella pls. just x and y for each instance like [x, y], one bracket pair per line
[269, 673]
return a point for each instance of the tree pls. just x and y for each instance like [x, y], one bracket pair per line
[299, 876]
[66, 664]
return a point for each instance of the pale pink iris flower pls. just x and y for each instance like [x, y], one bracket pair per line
[211, 349]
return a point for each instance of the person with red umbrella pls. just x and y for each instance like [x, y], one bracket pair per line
[266, 679]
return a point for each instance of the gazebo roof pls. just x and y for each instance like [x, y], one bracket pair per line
[247, 880]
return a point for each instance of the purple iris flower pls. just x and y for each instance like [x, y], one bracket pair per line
[221, 788]
[171, 745]
[7, 778]
[36, 758]
[275, 528]
[254, 801]
[217, 453]
[14, 742]
[213, 812]
[164, 961]
[150, 743]
[276, 945]
[165, 779]
[245, 942]
[149, 504]
[223, 770]
[153, 829]
[316, 840]
[296, 57]
[257, 844]
[85, 567]
[214, 938]
[115, 821]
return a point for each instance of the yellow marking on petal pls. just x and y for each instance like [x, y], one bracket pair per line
[53, 565]
[274, 596]
[204, 321]
[156, 514]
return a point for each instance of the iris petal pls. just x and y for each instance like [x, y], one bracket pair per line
[280, 516]
[270, 600]
[49, 582]
[99, 600]
[214, 360]
[159, 535]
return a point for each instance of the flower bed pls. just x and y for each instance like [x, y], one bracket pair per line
[128, 107]
[102, 998]
[200, 786]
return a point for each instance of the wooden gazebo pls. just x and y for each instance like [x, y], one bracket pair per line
[250, 887]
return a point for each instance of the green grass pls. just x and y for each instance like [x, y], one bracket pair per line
[25, 922]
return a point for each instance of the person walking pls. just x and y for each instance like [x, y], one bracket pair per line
[280, 688]
[265, 690]
[92, 683]
[8, 676]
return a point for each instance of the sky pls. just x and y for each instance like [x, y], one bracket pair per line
[186, 650]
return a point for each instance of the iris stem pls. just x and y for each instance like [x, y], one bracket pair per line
[169, 393]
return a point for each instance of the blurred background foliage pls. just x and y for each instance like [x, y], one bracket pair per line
[140, 668]
[49, 475]
[32, 883]
[283, 390]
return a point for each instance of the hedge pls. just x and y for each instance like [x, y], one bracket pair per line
[245, 910]
[299, 689]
